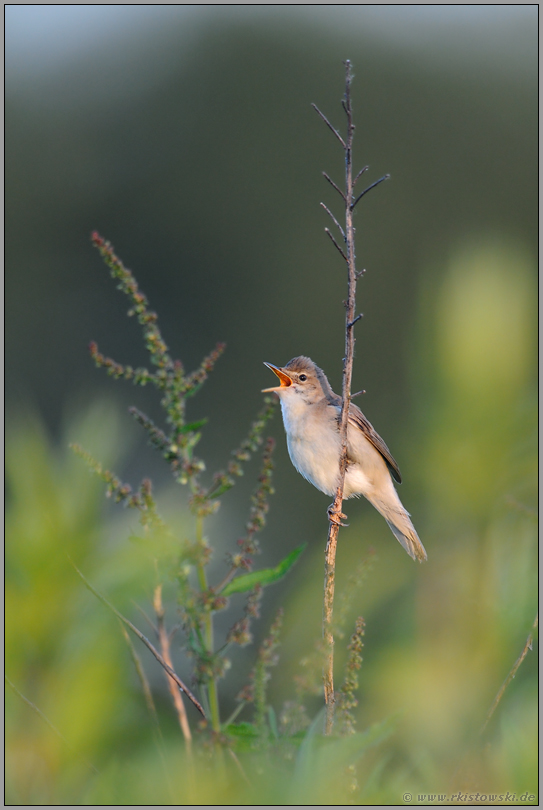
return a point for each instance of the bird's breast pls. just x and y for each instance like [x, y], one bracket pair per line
[313, 443]
[314, 447]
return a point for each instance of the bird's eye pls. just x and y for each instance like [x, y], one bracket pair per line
[302, 378]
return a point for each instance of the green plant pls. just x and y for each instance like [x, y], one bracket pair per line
[78, 733]
[187, 559]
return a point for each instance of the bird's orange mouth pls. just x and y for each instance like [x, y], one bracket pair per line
[285, 379]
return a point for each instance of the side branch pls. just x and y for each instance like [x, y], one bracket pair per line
[337, 188]
[334, 220]
[359, 175]
[369, 188]
[328, 124]
[327, 231]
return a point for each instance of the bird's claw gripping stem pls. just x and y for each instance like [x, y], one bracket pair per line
[336, 517]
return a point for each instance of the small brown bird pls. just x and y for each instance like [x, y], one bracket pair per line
[311, 414]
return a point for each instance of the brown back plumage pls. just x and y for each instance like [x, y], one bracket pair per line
[357, 418]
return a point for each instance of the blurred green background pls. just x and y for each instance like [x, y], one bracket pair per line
[184, 134]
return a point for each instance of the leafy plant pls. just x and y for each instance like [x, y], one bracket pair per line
[76, 731]
[187, 561]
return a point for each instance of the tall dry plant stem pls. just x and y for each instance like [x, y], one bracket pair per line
[172, 686]
[348, 253]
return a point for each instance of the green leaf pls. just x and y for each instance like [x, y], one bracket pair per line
[318, 751]
[243, 730]
[272, 720]
[193, 426]
[192, 391]
[320, 757]
[246, 582]
[336, 753]
[244, 736]
[306, 751]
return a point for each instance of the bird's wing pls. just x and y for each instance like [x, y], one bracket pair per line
[358, 420]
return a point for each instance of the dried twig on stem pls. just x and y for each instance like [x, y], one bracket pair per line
[165, 650]
[350, 320]
[146, 688]
[512, 673]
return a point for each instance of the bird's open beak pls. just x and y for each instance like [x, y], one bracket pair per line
[283, 376]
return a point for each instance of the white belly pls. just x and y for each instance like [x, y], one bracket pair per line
[314, 447]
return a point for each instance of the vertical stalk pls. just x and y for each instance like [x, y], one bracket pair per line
[333, 530]
[172, 686]
[209, 640]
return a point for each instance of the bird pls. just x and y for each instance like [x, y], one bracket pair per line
[311, 414]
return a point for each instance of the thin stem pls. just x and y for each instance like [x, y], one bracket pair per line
[334, 220]
[328, 232]
[228, 578]
[359, 175]
[145, 616]
[142, 638]
[46, 720]
[214, 704]
[512, 673]
[146, 688]
[239, 766]
[369, 188]
[352, 323]
[327, 122]
[165, 650]
[150, 703]
[209, 639]
[235, 713]
[337, 188]
[335, 510]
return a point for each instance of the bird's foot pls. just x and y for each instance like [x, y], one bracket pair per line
[336, 517]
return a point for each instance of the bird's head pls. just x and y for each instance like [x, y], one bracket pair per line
[300, 377]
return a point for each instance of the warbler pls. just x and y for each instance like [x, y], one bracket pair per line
[311, 414]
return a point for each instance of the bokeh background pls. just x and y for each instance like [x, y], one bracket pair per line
[185, 136]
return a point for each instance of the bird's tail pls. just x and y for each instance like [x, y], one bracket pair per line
[400, 524]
